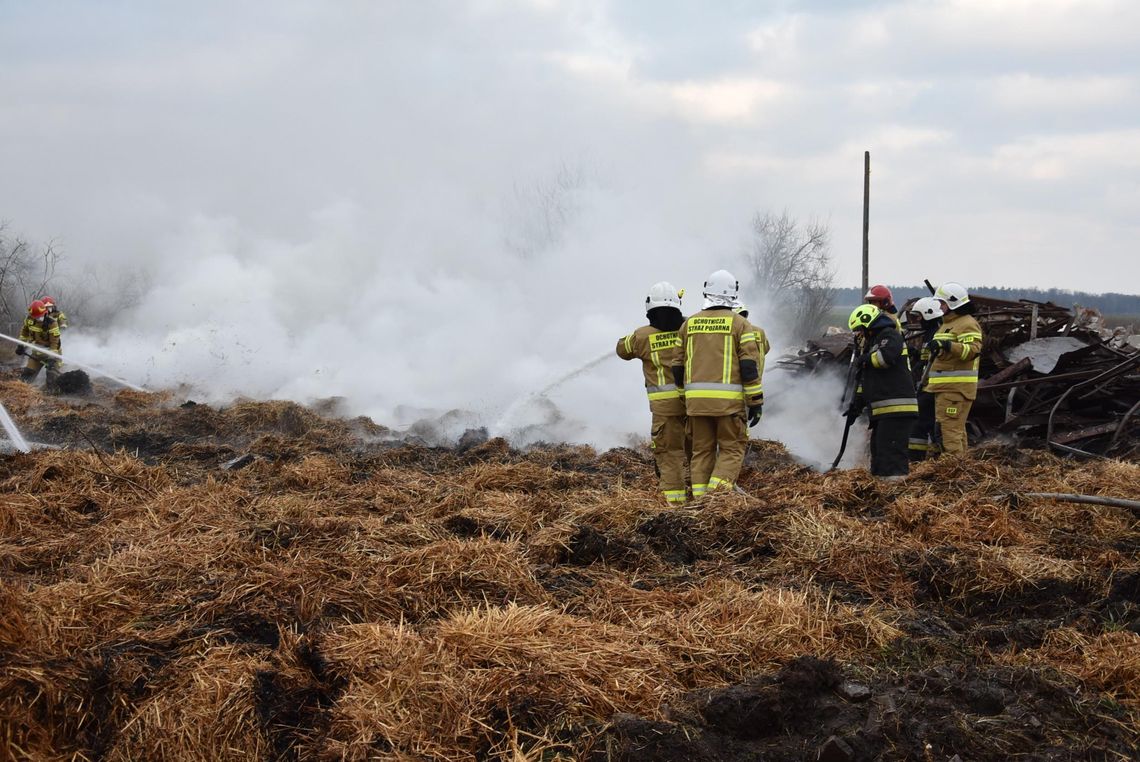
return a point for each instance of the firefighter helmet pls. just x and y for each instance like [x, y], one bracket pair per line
[863, 316]
[954, 294]
[37, 309]
[740, 308]
[722, 283]
[928, 308]
[880, 296]
[49, 303]
[662, 294]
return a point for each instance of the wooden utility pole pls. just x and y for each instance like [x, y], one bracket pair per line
[866, 218]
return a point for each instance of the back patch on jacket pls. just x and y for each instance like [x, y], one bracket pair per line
[710, 324]
[659, 342]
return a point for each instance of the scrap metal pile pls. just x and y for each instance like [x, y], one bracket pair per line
[1049, 376]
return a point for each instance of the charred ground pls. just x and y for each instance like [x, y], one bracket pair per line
[338, 593]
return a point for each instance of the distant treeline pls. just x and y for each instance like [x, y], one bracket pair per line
[1109, 304]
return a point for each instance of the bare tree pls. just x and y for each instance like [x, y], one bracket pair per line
[26, 273]
[791, 266]
[539, 212]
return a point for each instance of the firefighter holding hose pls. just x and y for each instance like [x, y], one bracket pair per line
[659, 349]
[41, 329]
[956, 352]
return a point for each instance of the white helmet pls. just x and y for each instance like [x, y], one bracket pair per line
[954, 294]
[662, 295]
[740, 308]
[928, 308]
[722, 283]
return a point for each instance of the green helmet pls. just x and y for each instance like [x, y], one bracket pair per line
[863, 316]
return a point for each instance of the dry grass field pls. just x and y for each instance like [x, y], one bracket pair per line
[344, 596]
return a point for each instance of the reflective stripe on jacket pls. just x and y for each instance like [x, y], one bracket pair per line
[658, 351]
[43, 334]
[886, 384]
[714, 345]
[956, 370]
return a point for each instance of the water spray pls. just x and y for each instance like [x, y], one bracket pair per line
[47, 352]
[14, 434]
[520, 402]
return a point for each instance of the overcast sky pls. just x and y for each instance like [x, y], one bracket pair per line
[1005, 135]
[514, 164]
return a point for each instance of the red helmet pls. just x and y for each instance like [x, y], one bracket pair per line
[879, 295]
[48, 301]
[37, 309]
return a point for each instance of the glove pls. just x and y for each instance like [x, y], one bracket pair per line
[937, 346]
[21, 349]
[853, 410]
[754, 413]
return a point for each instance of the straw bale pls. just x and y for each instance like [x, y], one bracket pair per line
[203, 707]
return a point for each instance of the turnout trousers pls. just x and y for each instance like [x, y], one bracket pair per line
[719, 443]
[951, 409]
[889, 452]
[669, 452]
[35, 362]
[923, 443]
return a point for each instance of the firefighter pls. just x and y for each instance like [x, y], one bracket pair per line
[956, 353]
[923, 442]
[658, 348]
[886, 387]
[57, 315]
[880, 296]
[42, 330]
[720, 375]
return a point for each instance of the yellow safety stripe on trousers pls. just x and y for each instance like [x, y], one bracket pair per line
[675, 495]
[717, 483]
[894, 409]
[726, 374]
[919, 444]
[700, 489]
[877, 359]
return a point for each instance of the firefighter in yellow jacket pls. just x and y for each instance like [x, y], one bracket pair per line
[720, 374]
[658, 347]
[42, 330]
[956, 351]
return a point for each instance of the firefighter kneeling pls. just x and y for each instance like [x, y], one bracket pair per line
[885, 386]
[43, 331]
